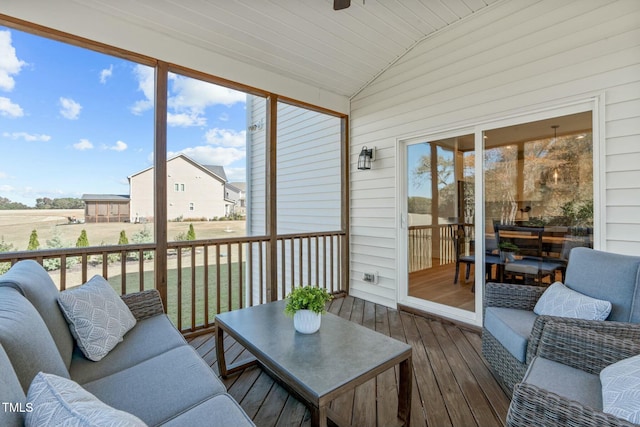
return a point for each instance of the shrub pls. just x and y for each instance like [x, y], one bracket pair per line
[142, 236]
[123, 239]
[55, 263]
[83, 240]
[5, 247]
[34, 244]
[191, 234]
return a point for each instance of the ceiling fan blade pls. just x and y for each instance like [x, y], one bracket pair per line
[341, 4]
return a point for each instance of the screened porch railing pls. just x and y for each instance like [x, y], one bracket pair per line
[204, 277]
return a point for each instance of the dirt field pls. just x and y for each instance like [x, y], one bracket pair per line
[16, 227]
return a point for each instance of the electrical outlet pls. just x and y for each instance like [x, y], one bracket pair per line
[370, 277]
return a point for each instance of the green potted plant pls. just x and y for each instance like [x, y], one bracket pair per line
[307, 305]
[507, 251]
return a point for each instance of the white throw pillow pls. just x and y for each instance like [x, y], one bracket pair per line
[558, 300]
[57, 401]
[621, 389]
[97, 317]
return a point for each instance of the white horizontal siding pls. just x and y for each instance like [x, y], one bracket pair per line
[513, 58]
[308, 171]
[256, 167]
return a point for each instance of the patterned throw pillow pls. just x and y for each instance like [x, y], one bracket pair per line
[558, 300]
[621, 389]
[57, 401]
[97, 317]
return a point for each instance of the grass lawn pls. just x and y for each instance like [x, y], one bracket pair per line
[186, 294]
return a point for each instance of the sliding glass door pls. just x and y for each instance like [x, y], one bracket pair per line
[441, 216]
[535, 184]
[538, 197]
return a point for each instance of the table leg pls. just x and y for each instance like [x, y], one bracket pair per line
[404, 392]
[222, 364]
[318, 416]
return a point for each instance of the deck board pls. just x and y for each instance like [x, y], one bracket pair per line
[452, 383]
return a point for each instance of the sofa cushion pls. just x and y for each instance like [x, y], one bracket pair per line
[159, 388]
[558, 300]
[150, 337]
[572, 383]
[511, 327]
[97, 316]
[58, 401]
[11, 393]
[33, 281]
[621, 389]
[607, 276]
[227, 413]
[26, 339]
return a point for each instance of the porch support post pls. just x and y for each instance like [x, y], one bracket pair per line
[160, 180]
[271, 193]
[345, 251]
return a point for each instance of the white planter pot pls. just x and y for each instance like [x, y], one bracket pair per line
[306, 321]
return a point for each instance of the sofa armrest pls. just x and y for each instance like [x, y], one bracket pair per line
[585, 349]
[523, 297]
[620, 330]
[144, 304]
[532, 406]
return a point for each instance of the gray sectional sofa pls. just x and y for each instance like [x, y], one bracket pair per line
[153, 373]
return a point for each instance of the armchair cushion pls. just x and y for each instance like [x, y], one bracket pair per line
[610, 276]
[97, 316]
[572, 383]
[621, 389]
[558, 300]
[511, 327]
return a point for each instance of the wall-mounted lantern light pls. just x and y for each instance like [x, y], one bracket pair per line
[367, 155]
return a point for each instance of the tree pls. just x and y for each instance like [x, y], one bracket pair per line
[123, 240]
[34, 244]
[83, 240]
[191, 234]
[6, 204]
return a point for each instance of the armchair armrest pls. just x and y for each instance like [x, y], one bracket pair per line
[144, 304]
[532, 406]
[523, 297]
[586, 349]
[620, 330]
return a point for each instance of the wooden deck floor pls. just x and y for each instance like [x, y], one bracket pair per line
[452, 384]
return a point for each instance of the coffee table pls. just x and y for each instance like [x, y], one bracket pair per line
[317, 367]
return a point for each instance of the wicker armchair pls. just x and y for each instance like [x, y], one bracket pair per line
[571, 346]
[144, 304]
[512, 332]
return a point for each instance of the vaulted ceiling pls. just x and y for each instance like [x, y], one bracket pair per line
[339, 51]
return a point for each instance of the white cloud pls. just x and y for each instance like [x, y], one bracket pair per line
[3, 175]
[118, 146]
[226, 137]
[9, 63]
[69, 108]
[208, 155]
[224, 117]
[236, 174]
[146, 84]
[197, 95]
[7, 188]
[27, 136]
[185, 120]
[106, 73]
[9, 109]
[83, 144]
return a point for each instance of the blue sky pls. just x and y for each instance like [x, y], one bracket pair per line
[73, 121]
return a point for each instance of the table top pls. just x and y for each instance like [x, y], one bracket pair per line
[320, 363]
